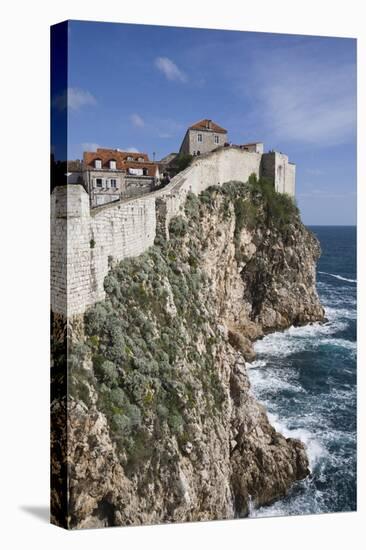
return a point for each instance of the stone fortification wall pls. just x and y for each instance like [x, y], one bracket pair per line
[138, 185]
[83, 240]
[290, 179]
[215, 168]
[282, 172]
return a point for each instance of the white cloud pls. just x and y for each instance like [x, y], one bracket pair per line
[130, 149]
[309, 101]
[137, 120]
[78, 98]
[170, 69]
[74, 99]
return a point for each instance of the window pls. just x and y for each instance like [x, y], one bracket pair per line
[216, 139]
[141, 159]
[135, 171]
[199, 138]
[97, 163]
[113, 183]
[99, 182]
[129, 159]
[112, 165]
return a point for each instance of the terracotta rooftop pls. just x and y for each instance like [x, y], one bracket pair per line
[124, 154]
[208, 125]
[106, 155]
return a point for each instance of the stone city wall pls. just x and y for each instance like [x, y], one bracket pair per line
[83, 241]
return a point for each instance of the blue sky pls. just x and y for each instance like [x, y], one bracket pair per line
[139, 87]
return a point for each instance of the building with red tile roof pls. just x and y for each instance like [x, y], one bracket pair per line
[202, 137]
[110, 174]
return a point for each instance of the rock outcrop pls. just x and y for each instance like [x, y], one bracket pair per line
[162, 424]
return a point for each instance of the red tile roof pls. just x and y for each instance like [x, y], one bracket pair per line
[106, 155]
[124, 154]
[208, 125]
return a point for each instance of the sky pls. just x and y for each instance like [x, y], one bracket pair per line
[139, 87]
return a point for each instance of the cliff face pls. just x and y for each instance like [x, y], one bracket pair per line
[162, 423]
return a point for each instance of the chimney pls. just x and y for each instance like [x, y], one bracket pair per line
[209, 124]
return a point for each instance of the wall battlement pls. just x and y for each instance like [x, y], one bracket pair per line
[84, 241]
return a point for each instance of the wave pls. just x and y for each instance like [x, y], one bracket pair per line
[330, 294]
[276, 382]
[340, 342]
[298, 339]
[315, 450]
[338, 277]
[256, 364]
[307, 501]
[335, 313]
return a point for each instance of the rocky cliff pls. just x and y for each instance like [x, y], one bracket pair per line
[162, 423]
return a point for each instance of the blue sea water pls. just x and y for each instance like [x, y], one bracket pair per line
[306, 378]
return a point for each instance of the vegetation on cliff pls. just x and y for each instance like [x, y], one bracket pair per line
[151, 322]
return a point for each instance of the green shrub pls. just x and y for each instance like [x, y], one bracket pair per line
[121, 424]
[175, 422]
[178, 227]
[279, 209]
[181, 162]
[118, 398]
[107, 373]
[95, 318]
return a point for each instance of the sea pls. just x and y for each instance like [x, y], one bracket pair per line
[306, 378]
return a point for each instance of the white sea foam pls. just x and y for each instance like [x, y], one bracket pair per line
[261, 381]
[256, 364]
[317, 329]
[336, 313]
[338, 277]
[297, 339]
[314, 448]
[340, 342]
[306, 502]
[278, 345]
